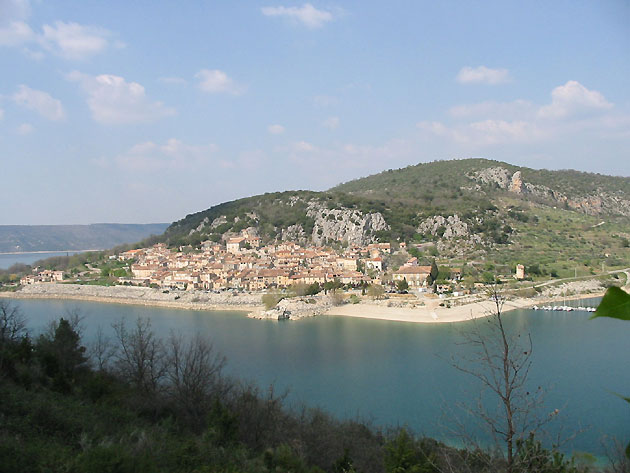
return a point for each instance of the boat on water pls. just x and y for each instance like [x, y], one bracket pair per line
[565, 308]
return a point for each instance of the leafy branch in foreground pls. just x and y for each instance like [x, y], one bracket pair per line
[615, 304]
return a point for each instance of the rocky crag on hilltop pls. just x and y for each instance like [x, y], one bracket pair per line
[600, 201]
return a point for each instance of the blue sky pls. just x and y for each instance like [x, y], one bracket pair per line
[146, 111]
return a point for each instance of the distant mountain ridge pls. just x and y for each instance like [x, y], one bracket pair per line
[25, 238]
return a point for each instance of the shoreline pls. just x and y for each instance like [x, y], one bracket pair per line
[437, 314]
[124, 301]
[252, 306]
[137, 296]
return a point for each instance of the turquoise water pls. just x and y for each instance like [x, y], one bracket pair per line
[9, 259]
[400, 373]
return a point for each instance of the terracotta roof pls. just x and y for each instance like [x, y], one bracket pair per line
[414, 270]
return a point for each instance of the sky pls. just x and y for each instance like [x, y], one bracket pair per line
[146, 111]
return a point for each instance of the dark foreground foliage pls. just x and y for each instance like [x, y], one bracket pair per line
[143, 404]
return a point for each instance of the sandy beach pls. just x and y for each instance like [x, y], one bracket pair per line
[433, 313]
[430, 312]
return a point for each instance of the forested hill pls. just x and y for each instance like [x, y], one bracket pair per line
[449, 180]
[15, 238]
[459, 205]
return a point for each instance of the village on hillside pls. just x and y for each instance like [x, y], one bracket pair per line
[242, 263]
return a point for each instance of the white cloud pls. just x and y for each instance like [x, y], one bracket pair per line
[1, 114]
[486, 132]
[332, 123]
[275, 129]
[66, 39]
[491, 132]
[573, 98]
[303, 147]
[172, 155]
[436, 128]
[24, 129]
[15, 33]
[39, 101]
[215, 81]
[482, 75]
[574, 110]
[33, 54]
[74, 41]
[114, 101]
[307, 14]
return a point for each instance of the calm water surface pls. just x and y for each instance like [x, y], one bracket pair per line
[399, 373]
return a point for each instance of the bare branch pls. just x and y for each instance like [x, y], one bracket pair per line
[12, 322]
[140, 358]
[101, 350]
[193, 371]
[502, 362]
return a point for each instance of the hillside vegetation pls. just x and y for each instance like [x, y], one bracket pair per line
[441, 177]
[469, 210]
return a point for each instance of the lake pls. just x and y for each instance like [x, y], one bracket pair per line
[399, 373]
[9, 259]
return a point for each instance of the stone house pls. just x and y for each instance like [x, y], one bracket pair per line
[416, 276]
[235, 244]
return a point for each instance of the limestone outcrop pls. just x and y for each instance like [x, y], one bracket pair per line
[444, 227]
[516, 183]
[345, 225]
[294, 233]
[218, 221]
[498, 176]
[596, 203]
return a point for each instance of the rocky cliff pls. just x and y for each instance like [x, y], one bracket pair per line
[600, 201]
[336, 225]
[299, 219]
[346, 225]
